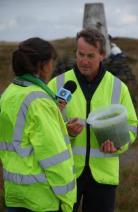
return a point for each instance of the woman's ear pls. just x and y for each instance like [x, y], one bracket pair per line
[42, 65]
[46, 70]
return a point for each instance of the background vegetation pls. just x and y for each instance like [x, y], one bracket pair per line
[127, 192]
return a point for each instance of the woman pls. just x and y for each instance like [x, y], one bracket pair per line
[34, 146]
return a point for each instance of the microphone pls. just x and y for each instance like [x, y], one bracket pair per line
[65, 92]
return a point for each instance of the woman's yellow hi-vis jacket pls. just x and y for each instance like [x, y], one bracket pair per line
[35, 151]
[104, 167]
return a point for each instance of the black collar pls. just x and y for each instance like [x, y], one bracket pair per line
[89, 87]
[82, 78]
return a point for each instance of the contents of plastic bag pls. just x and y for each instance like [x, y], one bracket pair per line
[110, 123]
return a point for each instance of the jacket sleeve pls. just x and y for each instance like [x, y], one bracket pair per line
[126, 100]
[53, 150]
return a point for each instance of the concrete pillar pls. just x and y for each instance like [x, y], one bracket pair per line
[94, 17]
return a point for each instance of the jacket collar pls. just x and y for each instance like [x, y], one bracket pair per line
[97, 79]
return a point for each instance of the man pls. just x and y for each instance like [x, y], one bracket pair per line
[97, 167]
[118, 65]
[34, 145]
[115, 50]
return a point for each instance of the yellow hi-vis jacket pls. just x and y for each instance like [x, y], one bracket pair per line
[35, 151]
[104, 167]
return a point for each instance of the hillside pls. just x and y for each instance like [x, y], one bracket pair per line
[66, 52]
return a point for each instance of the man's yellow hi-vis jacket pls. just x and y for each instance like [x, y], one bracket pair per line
[35, 151]
[111, 90]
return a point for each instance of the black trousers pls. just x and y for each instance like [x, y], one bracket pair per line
[95, 197]
[13, 209]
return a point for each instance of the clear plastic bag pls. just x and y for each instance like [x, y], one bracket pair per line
[110, 123]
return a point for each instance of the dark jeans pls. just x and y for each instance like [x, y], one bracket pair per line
[95, 197]
[22, 210]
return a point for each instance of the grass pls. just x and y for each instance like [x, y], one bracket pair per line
[127, 193]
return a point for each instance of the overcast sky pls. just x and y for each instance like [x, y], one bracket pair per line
[54, 19]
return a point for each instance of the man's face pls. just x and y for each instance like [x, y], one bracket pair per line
[88, 58]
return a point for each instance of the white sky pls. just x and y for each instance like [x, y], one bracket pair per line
[54, 19]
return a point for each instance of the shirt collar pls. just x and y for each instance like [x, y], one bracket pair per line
[97, 78]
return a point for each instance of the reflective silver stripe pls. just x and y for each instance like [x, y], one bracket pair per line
[98, 154]
[23, 111]
[79, 150]
[6, 146]
[19, 127]
[22, 82]
[60, 81]
[23, 179]
[132, 128]
[64, 189]
[67, 139]
[116, 91]
[64, 115]
[55, 159]
[93, 152]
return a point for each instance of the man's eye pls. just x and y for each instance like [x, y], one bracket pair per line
[81, 54]
[90, 56]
